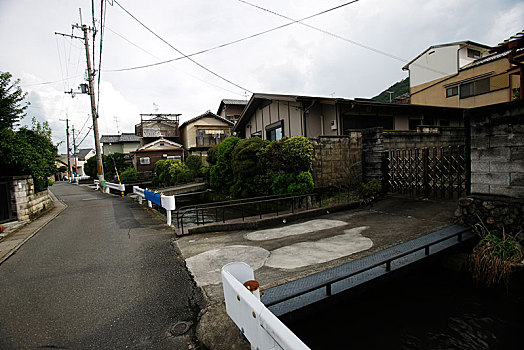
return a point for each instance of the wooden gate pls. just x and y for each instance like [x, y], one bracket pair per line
[428, 172]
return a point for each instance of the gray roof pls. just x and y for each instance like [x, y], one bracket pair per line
[207, 114]
[234, 102]
[125, 137]
[518, 36]
[489, 58]
[82, 152]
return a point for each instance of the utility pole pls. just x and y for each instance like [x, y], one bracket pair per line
[91, 92]
[91, 74]
[75, 162]
[68, 149]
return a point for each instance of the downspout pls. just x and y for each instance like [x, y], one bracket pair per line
[513, 47]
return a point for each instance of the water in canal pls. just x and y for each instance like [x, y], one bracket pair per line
[433, 308]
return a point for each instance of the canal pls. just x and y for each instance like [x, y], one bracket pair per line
[430, 308]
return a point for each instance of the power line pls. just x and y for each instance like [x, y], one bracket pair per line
[158, 58]
[102, 25]
[338, 36]
[180, 52]
[234, 41]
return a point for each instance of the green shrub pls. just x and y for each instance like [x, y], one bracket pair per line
[297, 154]
[128, 175]
[211, 157]
[221, 174]
[194, 163]
[171, 172]
[369, 191]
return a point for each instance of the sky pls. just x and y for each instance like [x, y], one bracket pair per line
[357, 50]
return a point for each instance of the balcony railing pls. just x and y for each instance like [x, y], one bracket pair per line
[210, 139]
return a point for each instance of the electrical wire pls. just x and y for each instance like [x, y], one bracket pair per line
[234, 41]
[180, 52]
[102, 25]
[367, 47]
[158, 58]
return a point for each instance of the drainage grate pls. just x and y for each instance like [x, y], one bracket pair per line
[180, 328]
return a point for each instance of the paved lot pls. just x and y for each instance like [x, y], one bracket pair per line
[292, 251]
[103, 274]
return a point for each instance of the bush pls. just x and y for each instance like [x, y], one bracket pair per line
[194, 163]
[171, 172]
[128, 175]
[369, 191]
[211, 157]
[297, 154]
[221, 174]
[292, 183]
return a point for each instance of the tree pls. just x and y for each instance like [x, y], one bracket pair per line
[28, 152]
[11, 101]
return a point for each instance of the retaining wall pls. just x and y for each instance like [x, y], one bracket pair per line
[26, 204]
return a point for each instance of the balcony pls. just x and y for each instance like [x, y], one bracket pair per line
[210, 140]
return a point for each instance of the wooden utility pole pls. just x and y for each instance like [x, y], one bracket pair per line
[74, 152]
[68, 149]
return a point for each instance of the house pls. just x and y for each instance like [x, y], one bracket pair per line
[465, 74]
[155, 126]
[124, 143]
[204, 131]
[274, 116]
[81, 157]
[231, 109]
[145, 157]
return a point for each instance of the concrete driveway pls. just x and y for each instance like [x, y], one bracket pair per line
[292, 251]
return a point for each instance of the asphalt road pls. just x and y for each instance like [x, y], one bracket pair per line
[103, 274]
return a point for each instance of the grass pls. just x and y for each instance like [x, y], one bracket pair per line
[493, 257]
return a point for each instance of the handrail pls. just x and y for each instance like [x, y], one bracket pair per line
[180, 219]
[327, 283]
[204, 205]
[166, 202]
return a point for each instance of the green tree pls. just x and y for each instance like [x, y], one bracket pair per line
[221, 174]
[194, 163]
[28, 152]
[128, 175]
[12, 106]
[245, 165]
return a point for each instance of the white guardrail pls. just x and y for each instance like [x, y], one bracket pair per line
[166, 202]
[110, 185]
[259, 325]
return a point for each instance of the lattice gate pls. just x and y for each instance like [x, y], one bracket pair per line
[429, 172]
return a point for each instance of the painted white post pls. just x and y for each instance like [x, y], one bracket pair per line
[168, 203]
[262, 329]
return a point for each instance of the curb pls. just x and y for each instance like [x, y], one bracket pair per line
[48, 220]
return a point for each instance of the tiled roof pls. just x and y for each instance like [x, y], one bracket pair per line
[83, 152]
[207, 114]
[518, 36]
[234, 102]
[489, 58]
[125, 137]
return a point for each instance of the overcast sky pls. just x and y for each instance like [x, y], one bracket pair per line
[378, 38]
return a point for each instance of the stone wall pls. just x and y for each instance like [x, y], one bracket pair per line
[497, 149]
[24, 202]
[336, 160]
[497, 169]
[376, 141]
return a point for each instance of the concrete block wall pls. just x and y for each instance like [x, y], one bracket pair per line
[24, 202]
[337, 160]
[497, 150]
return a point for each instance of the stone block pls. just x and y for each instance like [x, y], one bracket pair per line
[516, 179]
[491, 179]
[480, 188]
[510, 140]
[516, 153]
[498, 166]
[480, 166]
[510, 191]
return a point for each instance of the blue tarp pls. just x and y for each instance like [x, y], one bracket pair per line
[153, 197]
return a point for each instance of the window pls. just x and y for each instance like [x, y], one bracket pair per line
[275, 131]
[466, 90]
[474, 88]
[452, 91]
[144, 160]
[174, 157]
[472, 53]
[257, 134]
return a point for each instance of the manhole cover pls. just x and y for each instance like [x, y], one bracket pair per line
[180, 328]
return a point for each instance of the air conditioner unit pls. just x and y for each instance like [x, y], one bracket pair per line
[333, 125]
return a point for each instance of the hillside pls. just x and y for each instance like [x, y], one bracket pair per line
[398, 89]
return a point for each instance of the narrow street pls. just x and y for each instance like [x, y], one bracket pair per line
[103, 274]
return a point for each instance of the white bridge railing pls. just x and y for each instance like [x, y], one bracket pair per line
[166, 202]
[259, 325]
[109, 185]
